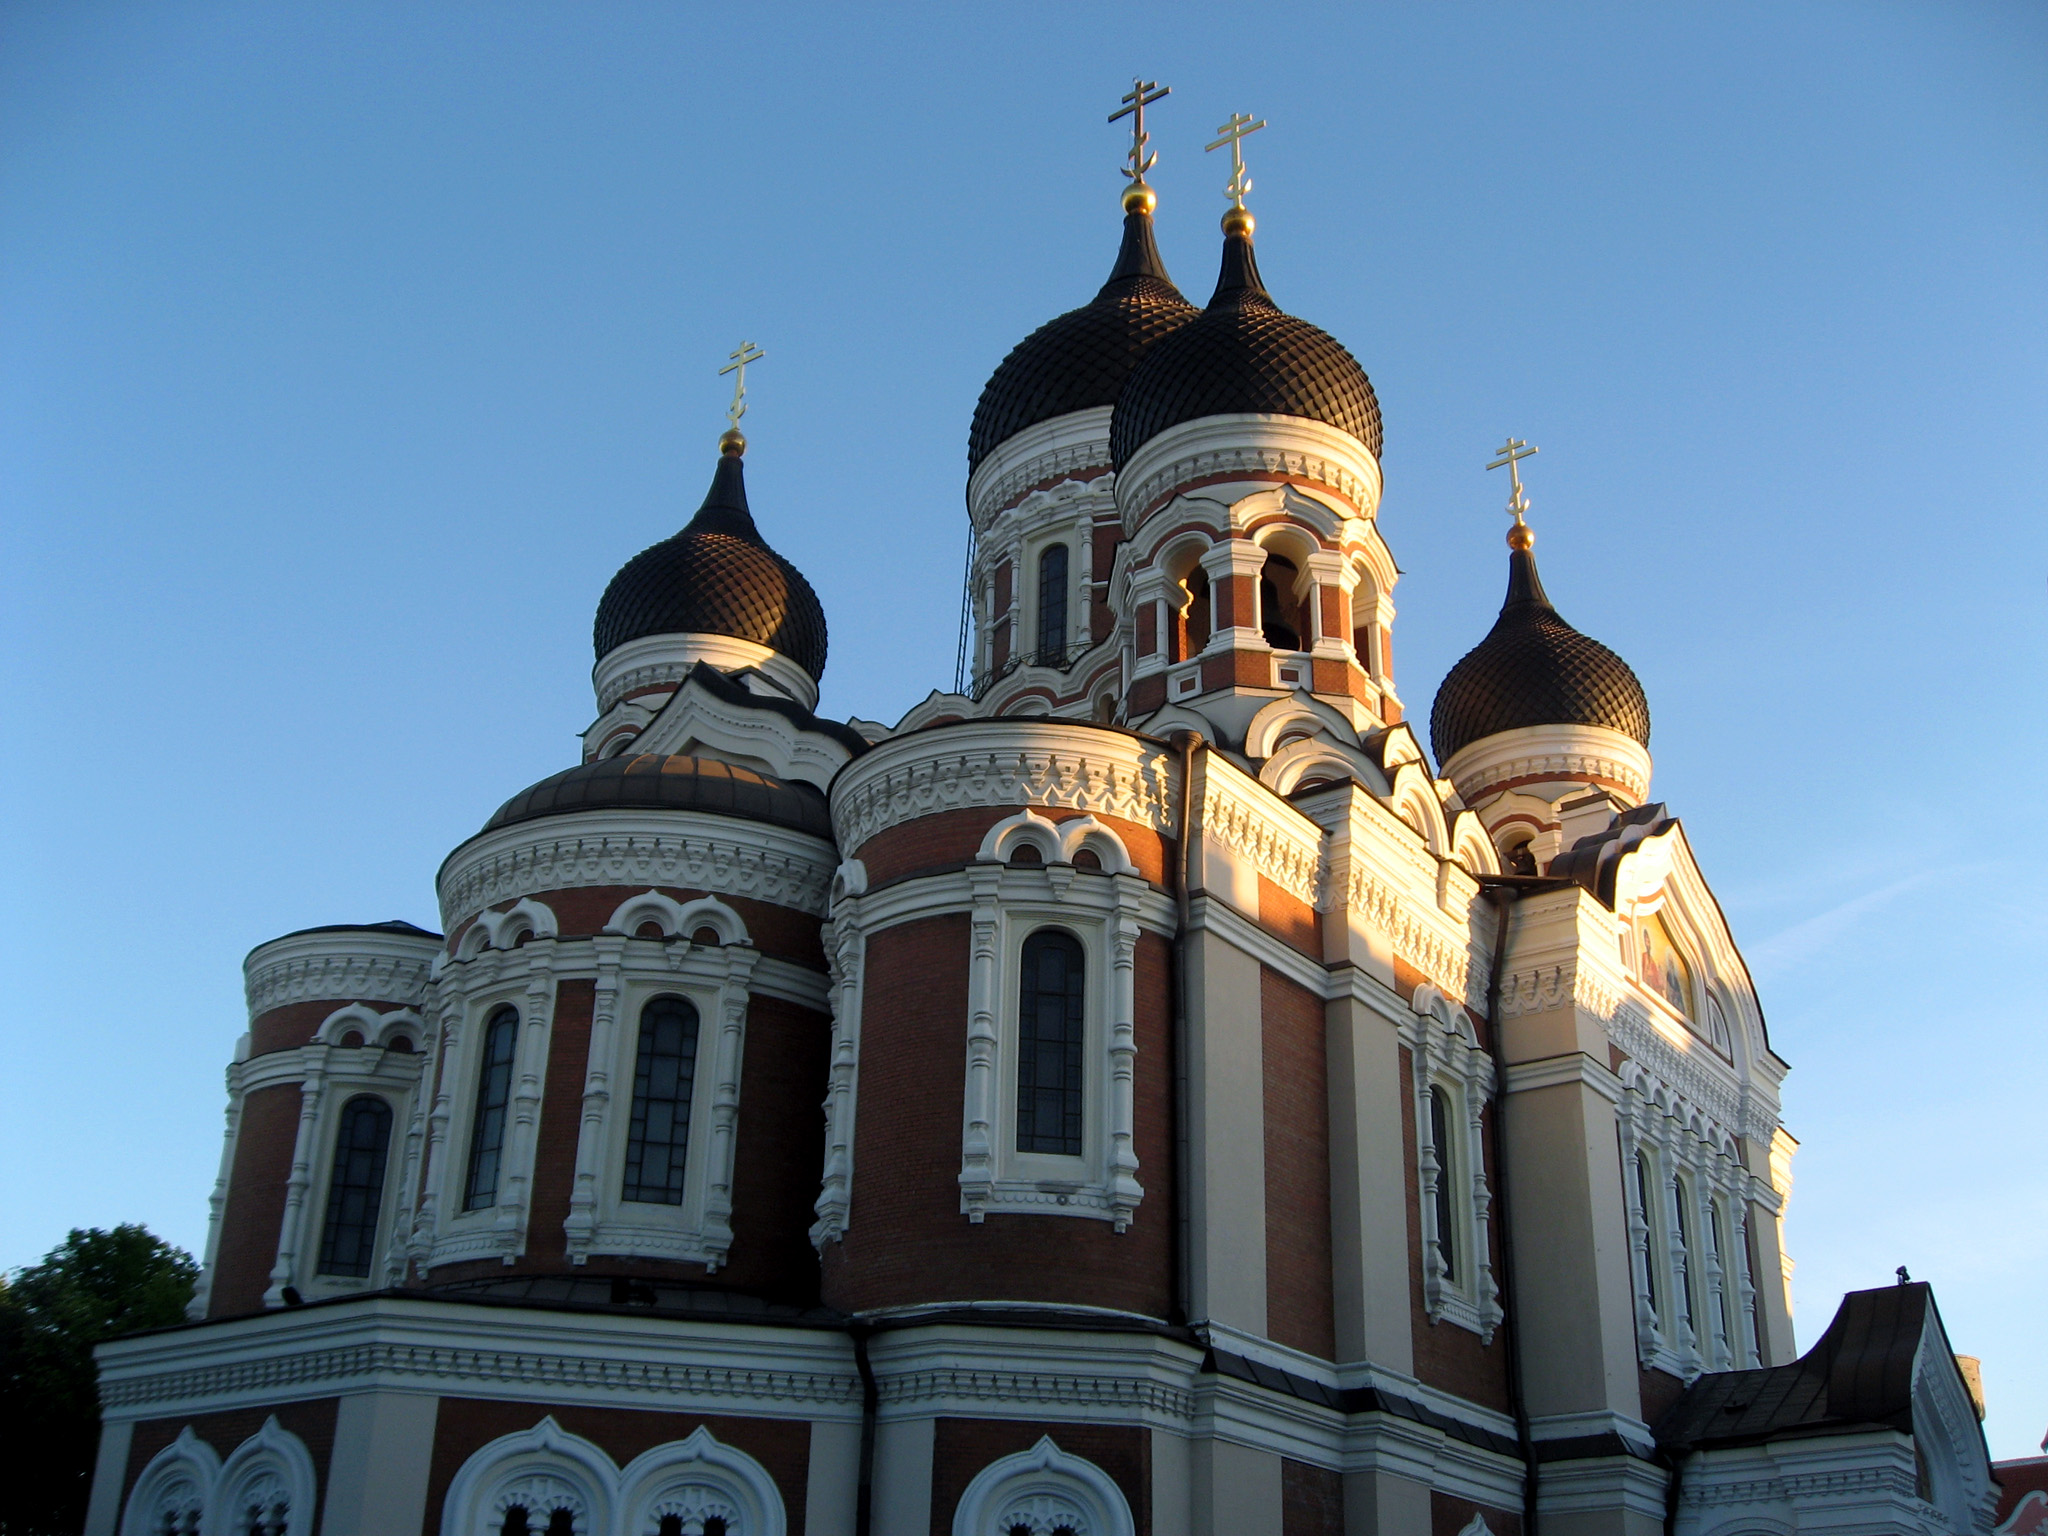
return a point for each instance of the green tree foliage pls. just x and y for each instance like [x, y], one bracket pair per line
[91, 1287]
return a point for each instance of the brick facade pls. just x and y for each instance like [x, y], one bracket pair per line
[254, 1214]
[1299, 1304]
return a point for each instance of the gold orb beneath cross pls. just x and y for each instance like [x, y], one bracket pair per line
[1238, 221]
[731, 441]
[1521, 537]
[1139, 198]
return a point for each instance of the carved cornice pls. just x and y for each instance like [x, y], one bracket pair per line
[1126, 1394]
[1065, 467]
[1002, 763]
[1417, 938]
[442, 1364]
[1286, 851]
[1250, 463]
[682, 850]
[354, 965]
[1549, 753]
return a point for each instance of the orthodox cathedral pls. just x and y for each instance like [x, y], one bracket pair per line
[1152, 1088]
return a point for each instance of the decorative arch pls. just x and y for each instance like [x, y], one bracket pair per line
[269, 1477]
[1043, 1490]
[1471, 847]
[175, 1490]
[501, 930]
[678, 919]
[1293, 714]
[376, 1028]
[698, 1478]
[1414, 801]
[1317, 757]
[850, 879]
[1056, 842]
[544, 1468]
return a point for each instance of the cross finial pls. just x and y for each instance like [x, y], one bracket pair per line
[746, 352]
[1233, 133]
[1511, 453]
[1141, 95]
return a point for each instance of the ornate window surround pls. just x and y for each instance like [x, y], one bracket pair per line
[1444, 1053]
[700, 1475]
[187, 1474]
[1101, 911]
[1683, 1156]
[1043, 1490]
[328, 1076]
[481, 978]
[845, 951]
[631, 972]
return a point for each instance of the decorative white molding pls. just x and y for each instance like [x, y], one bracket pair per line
[1250, 447]
[846, 950]
[362, 964]
[1445, 1054]
[1043, 1491]
[677, 920]
[700, 723]
[1566, 755]
[687, 850]
[524, 919]
[1004, 763]
[1044, 451]
[654, 661]
[175, 1491]
[267, 1481]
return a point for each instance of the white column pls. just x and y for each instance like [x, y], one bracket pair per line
[377, 1474]
[283, 1272]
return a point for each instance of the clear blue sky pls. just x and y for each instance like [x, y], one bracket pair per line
[347, 351]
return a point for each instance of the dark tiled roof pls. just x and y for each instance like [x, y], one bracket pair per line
[394, 925]
[716, 577]
[650, 781]
[1857, 1376]
[1081, 359]
[1245, 355]
[1595, 862]
[1534, 669]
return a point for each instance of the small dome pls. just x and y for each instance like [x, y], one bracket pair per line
[716, 577]
[652, 781]
[1081, 359]
[1534, 669]
[1244, 356]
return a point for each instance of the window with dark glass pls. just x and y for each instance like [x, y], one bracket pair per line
[355, 1189]
[664, 1075]
[493, 1095]
[1052, 606]
[1717, 1220]
[1049, 1043]
[1440, 1138]
[1692, 1278]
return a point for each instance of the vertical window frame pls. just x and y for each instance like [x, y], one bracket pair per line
[492, 1097]
[1073, 1048]
[341, 1184]
[633, 1185]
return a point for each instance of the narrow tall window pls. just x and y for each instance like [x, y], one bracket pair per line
[1052, 606]
[493, 1094]
[1683, 1198]
[664, 1076]
[1276, 604]
[1724, 1316]
[355, 1189]
[1440, 1139]
[1049, 1041]
[1650, 1240]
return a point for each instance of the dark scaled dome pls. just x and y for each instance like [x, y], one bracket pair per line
[1081, 360]
[716, 577]
[651, 781]
[1245, 355]
[1534, 669]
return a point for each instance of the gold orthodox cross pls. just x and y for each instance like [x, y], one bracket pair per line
[742, 355]
[1511, 453]
[1141, 95]
[1233, 133]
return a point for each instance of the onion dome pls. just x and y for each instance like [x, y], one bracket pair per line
[654, 781]
[1081, 360]
[716, 577]
[1244, 356]
[1534, 669]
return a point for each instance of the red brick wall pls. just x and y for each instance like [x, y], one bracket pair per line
[293, 1025]
[949, 839]
[561, 1122]
[780, 931]
[962, 1447]
[465, 1425]
[312, 1421]
[1311, 1500]
[908, 1241]
[254, 1213]
[1446, 1355]
[1290, 919]
[1300, 1311]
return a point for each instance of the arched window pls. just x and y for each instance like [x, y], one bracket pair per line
[664, 1076]
[1277, 609]
[1052, 606]
[1191, 624]
[493, 1095]
[1050, 1022]
[520, 1521]
[355, 1189]
[1440, 1140]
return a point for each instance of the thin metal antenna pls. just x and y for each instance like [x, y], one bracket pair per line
[960, 678]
